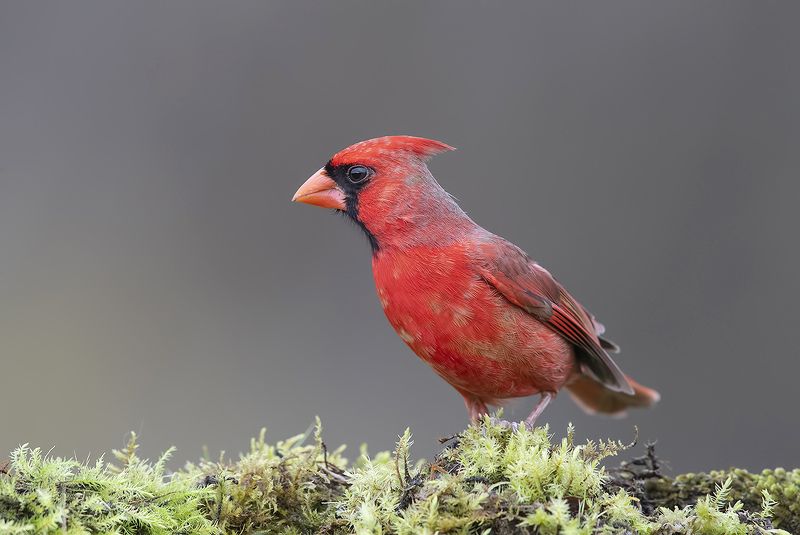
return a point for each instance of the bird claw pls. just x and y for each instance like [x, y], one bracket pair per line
[505, 424]
[522, 425]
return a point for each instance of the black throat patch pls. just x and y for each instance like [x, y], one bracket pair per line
[338, 173]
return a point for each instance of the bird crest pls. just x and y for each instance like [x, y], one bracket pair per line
[392, 147]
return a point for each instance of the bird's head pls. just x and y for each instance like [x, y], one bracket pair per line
[384, 185]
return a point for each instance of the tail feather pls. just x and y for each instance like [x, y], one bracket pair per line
[593, 397]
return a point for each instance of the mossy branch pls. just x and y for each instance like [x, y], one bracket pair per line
[488, 479]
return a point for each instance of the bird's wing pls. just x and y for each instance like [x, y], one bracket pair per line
[599, 329]
[529, 286]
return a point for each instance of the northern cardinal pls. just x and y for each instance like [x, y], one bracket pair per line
[487, 318]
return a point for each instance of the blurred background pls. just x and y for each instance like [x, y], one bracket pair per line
[154, 275]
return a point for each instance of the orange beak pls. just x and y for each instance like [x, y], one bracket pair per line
[320, 190]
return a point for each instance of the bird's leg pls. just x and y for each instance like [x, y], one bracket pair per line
[476, 410]
[475, 407]
[544, 401]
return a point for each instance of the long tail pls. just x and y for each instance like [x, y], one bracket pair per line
[593, 397]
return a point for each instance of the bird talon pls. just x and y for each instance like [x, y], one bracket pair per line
[503, 424]
[525, 426]
[509, 426]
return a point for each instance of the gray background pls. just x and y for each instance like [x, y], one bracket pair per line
[154, 275]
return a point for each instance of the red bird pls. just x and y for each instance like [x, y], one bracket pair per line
[487, 318]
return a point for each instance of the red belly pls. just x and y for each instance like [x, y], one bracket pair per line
[469, 334]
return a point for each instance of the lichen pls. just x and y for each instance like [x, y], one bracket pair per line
[488, 479]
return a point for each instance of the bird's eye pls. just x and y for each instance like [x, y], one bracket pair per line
[358, 174]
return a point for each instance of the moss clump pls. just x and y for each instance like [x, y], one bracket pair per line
[284, 488]
[486, 480]
[777, 491]
[39, 494]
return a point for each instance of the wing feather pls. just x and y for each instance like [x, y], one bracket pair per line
[529, 286]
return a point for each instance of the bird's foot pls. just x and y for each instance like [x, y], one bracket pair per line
[505, 424]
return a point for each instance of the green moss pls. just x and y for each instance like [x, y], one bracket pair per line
[488, 479]
[39, 494]
[776, 490]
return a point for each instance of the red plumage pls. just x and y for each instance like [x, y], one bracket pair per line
[488, 319]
